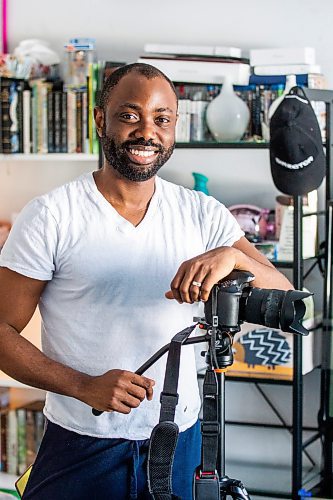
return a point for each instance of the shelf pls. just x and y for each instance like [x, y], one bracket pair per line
[50, 157]
[7, 481]
[221, 145]
[274, 480]
[254, 379]
[6, 381]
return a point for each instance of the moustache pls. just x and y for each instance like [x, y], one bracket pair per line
[142, 142]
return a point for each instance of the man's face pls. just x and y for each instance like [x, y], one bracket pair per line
[137, 130]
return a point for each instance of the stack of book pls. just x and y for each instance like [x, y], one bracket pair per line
[270, 66]
[21, 434]
[44, 116]
[198, 64]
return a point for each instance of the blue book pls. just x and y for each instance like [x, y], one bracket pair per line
[301, 80]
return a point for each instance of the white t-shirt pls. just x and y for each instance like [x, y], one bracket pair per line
[104, 306]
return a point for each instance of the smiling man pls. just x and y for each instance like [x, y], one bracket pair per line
[117, 261]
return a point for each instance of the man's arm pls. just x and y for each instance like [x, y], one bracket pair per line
[116, 390]
[210, 267]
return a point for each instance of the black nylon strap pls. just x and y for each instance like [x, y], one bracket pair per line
[164, 437]
[210, 427]
[169, 395]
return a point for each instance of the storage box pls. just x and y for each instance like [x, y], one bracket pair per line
[301, 55]
[284, 214]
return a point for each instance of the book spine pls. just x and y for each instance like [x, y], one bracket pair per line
[5, 115]
[21, 440]
[20, 117]
[85, 138]
[12, 442]
[57, 121]
[3, 440]
[64, 122]
[71, 121]
[78, 122]
[50, 121]
[44, 131]
[34, 117]
[26, 121]
[30, 438]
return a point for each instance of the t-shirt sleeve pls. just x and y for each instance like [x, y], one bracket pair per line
[219, 225]
[32, 242]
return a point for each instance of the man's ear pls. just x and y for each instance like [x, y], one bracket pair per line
[99, 120]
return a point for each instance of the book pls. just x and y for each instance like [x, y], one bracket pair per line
[302, 55]
[21, 440]
[11, 112]
[201, 71]
[287, 69]
[203, 50]
[12, 442]
[27, 121]
[312, 81]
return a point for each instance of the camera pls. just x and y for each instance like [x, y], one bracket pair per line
[233, 301]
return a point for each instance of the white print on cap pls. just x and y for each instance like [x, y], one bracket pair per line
[295, 166]
[296, 97]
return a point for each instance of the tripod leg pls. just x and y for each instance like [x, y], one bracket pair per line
[234, 488]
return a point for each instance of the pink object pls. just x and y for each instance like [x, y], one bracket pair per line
[4, 26]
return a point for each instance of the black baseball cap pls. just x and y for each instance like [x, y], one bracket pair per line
[297, 157]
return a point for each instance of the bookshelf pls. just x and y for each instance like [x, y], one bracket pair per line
[90, 160]
[49, 157]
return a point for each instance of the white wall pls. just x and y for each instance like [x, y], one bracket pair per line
[121, 29]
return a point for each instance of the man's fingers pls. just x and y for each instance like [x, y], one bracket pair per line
[175, 284]
[144, 382]
[207, 286]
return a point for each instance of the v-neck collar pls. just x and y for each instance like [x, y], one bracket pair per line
[123, 225]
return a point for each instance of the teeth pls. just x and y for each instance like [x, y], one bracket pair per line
[143, 154]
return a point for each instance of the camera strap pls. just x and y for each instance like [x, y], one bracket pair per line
[164, 437]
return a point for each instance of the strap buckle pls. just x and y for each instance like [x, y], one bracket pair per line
[169, 399]
[207, 474]
[210, 428]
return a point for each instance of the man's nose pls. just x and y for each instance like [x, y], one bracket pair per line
[145, 129]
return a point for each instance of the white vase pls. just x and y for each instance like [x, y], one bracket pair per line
[227, 115]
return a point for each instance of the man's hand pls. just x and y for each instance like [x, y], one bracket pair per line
[117, 390]
[206, 269]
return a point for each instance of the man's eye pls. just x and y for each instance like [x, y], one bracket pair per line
[128, 116]
[164, 120]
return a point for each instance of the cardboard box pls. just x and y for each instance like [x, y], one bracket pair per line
[284, 218]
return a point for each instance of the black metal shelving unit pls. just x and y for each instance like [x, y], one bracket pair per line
[325, 425]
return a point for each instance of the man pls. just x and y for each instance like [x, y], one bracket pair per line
[98, 255]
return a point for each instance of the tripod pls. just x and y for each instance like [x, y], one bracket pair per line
[231, 301]
[210, 480]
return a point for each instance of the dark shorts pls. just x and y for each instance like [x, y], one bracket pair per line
[74, 467]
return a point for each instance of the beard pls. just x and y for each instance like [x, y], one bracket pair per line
[116, 156]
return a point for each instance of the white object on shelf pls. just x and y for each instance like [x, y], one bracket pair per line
[227, 115]
[7, 481]
[301, 55]
[195, 50]
[201, 71]
[287, 69]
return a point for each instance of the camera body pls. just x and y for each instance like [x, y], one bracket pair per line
[233, 301]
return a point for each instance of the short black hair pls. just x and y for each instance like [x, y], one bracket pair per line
[146, 70]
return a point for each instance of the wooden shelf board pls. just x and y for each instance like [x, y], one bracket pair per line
[49, 157]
